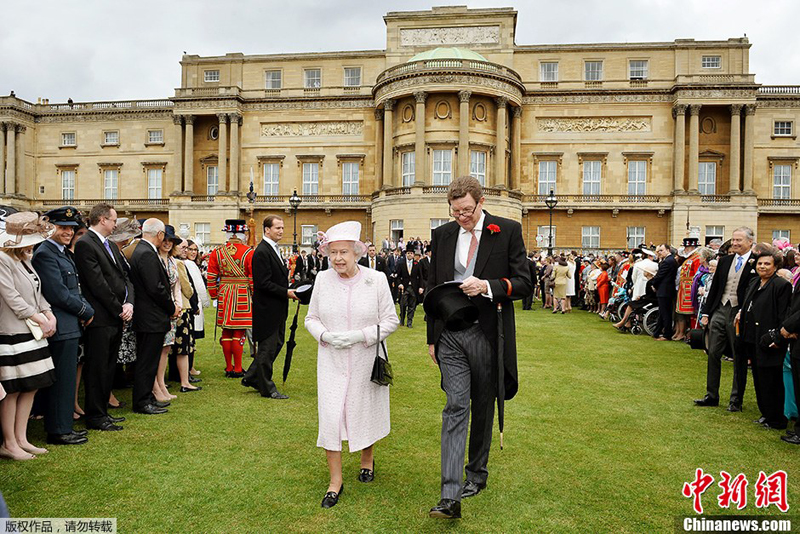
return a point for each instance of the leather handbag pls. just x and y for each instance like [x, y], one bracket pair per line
[381, 369]
[35, 329]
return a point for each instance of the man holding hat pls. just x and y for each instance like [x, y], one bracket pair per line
[230, 282]
[60, 287]
[486, 254]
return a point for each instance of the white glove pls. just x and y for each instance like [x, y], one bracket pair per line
[326, 337]
[343, 340]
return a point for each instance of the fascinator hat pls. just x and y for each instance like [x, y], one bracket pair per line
[25, 229]
[345, 231]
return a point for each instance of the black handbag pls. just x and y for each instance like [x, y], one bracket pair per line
[381, 369]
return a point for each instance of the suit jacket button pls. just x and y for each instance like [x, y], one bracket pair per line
[756, 324]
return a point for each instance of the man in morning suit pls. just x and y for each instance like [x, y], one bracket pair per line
[664, 283]
[409, 286]
[392, 264]
[154, 308]
[108, 290]
[487, 255]
[734, 272]
[373, 261]
[271, 296]
[53, 261]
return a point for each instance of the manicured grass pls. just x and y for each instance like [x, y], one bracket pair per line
[601, 437]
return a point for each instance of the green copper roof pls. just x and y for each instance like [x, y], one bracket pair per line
[448, 53]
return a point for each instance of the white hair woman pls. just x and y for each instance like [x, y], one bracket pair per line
[347, 307]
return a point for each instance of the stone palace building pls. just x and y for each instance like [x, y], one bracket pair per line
[638, 141]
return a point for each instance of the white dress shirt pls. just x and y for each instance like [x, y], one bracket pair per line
[462, 247]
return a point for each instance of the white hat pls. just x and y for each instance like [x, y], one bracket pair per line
[345, 231]
[25, 229]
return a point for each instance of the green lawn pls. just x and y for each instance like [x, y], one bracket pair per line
[600, 438]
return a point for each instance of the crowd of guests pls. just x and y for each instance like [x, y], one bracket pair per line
[92, 300]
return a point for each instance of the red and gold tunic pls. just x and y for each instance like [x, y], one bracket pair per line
[230, 281]
[687, 271]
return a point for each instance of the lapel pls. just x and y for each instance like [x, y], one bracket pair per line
[449, 241]
[275, 258]
[485, 245]
[114, 263]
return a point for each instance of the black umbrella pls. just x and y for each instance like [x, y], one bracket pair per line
[501, 379]
[290, 345]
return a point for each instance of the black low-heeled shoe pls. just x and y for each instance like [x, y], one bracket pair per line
[367, 475]
[332, 497]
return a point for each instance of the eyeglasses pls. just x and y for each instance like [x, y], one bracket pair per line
[463, 213]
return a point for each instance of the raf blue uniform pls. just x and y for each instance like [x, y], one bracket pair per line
[56, 268]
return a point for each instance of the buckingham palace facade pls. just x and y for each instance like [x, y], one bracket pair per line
[638, 141]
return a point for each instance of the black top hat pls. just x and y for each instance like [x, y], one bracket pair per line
[691, 242]
[448, 303]
[697, 338]
[303, 291]
[64, 216]
[237, 226]
[169, 233]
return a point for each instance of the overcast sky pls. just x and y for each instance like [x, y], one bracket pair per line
[114, 50]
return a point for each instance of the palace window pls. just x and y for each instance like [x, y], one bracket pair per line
[592, 170]
[782, 128]
[395, 229]
[707, 178]
[711, 62]
[637, 177]
[202, 233]
[436, 223]
[272, 173]
[635, 236]
[155, 137]
[637, 69]
[154, 183]
[547, 176]
[111, 138]
[310, 178]
[781, 234]
[442, 167]
[312, 78]
[548, 71]
[593, 71]
[272, 79]
[308, 234]
[544, 231]
[69, 139]
[350, 173]
[714, 232]
[590, 237]
[212, 180]
[210, 76]
[352, 76]
[408, 168]
[477, 165]
[782, 181]
[68, 184]
[110, 184]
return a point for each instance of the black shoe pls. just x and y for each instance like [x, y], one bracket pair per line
[367, 475]
[193, 380]
[106, 426]
[706, 401]
[277, 395]
[189, 390]
[773, 427]
[471, 489]
[760, 421]
[116, 419]
[66, 439]
[151, 409]
[409, 325]
[234, 374]
[332, 497]
[446, 509]
[794, 439]
[159, 404]
[246, 383]
[228, 374]
[80, 432]
[734, 407]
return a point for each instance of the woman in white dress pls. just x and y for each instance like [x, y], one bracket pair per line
[570, 283]
[347, 306]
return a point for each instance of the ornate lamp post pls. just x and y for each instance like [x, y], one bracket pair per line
[251, 223]
[551, 201]
[294, 202]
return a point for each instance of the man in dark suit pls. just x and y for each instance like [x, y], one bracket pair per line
[527, 302]
[108, 290]
[425, 268]
[56, 268]
[734, 272]
[487, 255]
[271, 296]
[409, 286]
[664, 284]
[374, 261]
[301, 267]
[154, 308]
[392, 263]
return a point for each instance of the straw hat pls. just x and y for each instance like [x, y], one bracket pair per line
[25, 229]
[126, 229]
[345, 231]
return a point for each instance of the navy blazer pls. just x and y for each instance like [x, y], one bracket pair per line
[61, 289]
[664, 280]
[270, 292]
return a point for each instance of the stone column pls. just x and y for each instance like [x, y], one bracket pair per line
[463, 133]
[499, 179]
[516, 147]
[222, 165]
[236, 119]
[388, 135]
[19, 184]
[420, 167]
[11, 158]
[694, 146]
[379, 181]
[2, 156]
[736, 139]
[188, 154]
[177, 177]
[679, 147]
[749, 144]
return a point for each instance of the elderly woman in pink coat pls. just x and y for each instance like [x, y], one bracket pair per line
[348, 304]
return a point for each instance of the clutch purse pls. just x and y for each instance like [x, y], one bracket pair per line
[381, 369]
[35, 329]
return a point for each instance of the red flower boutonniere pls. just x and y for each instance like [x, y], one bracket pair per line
[493, 228]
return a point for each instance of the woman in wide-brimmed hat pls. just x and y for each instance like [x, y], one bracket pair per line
[25, 365]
